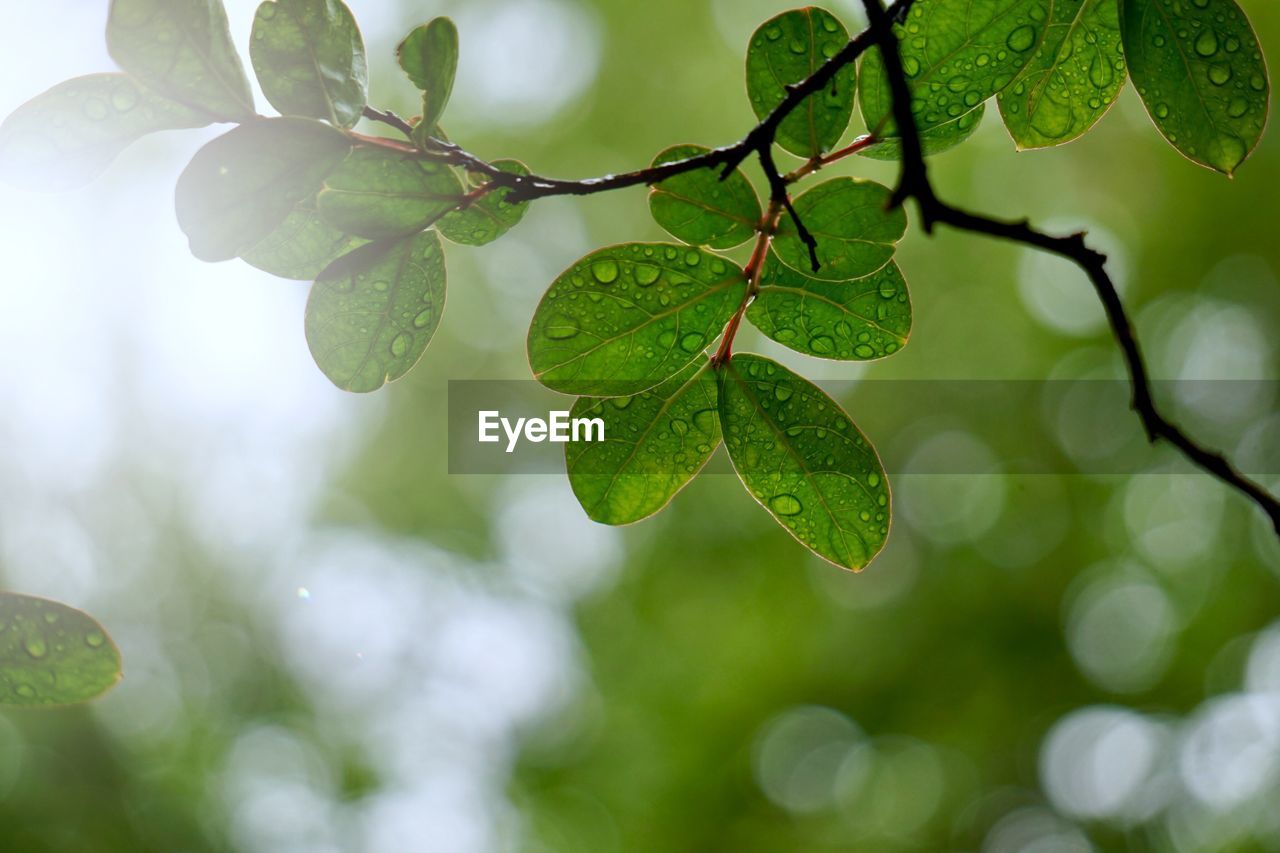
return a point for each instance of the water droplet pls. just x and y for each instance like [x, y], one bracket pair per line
[400, 344]
[26, 691]
[873, 479]
[605, 272]
[863, 351]
[822, 343]
[785, 504]
[1207, 43]
[1219, 74]
[35, 647]
[705, 421]
[94, 639]
[561, 328]
[692, 342]
[646, 274]
[423, 318]
[782, 391]
[1162, 110]
[679, 427]
[692, 258]
[1237, 107]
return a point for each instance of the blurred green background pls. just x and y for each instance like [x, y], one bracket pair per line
[331, 644]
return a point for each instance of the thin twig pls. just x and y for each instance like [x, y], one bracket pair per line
[914, 184]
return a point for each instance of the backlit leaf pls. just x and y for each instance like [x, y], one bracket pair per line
[309, 58]
[1201, 75]
[242, 185]
[429, 56]
[787, 49]
[67, 136]
[654, 444]
[625, 318]
[488, 217]
[379, 192]
[1073, 79]
[956, 54]
[853, 320]
[372, 313]
[855, 230]
[700, 208]
[801, 456]
[302, 246]
[52, 654]
[182, 49]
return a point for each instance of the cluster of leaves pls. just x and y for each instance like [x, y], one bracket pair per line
[628, 328]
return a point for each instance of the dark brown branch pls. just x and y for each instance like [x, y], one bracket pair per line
[914, 184]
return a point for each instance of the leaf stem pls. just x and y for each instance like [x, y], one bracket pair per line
[764, 236]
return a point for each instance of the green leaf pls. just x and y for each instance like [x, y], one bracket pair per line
[67, 136]
[242, 185]
[935, 140]
[787, 49]
[654, 444]
[372, 313]
[429, 56]
[956, 54]
[1201, 75]
[182, 49]
[1072, 80]
[309, 58]
[625, 318]
[854, 320]
[52, 654]
[855, 230]
[700, 208]
[302, 246]
[380, 192]
[488, 217]
[804, 460]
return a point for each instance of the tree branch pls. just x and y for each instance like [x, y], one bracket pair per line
[914, 183]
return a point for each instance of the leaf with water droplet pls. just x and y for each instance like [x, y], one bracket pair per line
[787, 49]
[242, 185]
[851, 220]
[309, 58]
[380, 192]
[653, 446]
[182, 49]
[699, 207]
[373, 311]
[1073, 79]
[957, 54]
[302, 246]
[52, 654]
[801, 456]
[1201, 75]
[67, 136]
[855, 320]
[489, 216]
[652, 298]
[429, 56]
[935, 140]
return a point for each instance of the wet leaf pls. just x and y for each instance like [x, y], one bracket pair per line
[302, 246]
[787, 49]
[935, 140]
[1201, 75]
[855, 320]
[67, 136]
[626, 318]
[379, 192]
[1073, 79]
[52, 654]
[372, 313]
[242, 185]
[182, 49]
[956, 54]
[700, 208]
[489, 216]
[429, 56]
[801, 456]
[654, 444]
[855, 230]
[309, 58]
